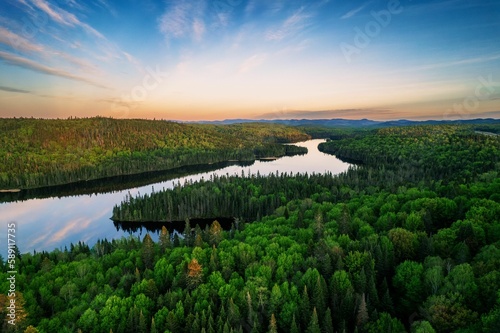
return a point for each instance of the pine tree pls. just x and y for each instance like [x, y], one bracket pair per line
[273, 326]
[226, 328]
[304, 308]
[153, 326]
[345, 221]
[142, 327]
[372, 292]
[148, 251]
[255, 327]
[172, 322]
[195, 273]
[318, 226]
[188, 233]
[314, 323]
[327, 326]
[215, 233]
[362, 317]
[198, 241]
[196, 326]
[165, 242]
[319, 293]
[214, 260]
[249, 308]
[133, 320]
[293, 327]
[233, 313]
[386, 304]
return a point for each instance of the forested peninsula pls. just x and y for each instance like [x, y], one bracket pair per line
[47, 152]
[406, 241]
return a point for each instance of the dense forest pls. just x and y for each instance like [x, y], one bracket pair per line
[407, 241]
[43, 152]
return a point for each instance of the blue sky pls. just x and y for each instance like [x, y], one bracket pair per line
[190, 60]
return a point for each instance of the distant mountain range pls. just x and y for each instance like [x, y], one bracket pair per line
[349, 123]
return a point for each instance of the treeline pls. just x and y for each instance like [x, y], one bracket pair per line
[445, 152]
[398, 246]
[38, 152]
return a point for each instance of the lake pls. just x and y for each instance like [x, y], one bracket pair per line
[55, 222]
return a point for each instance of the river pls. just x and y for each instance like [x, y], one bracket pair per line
[57, 221]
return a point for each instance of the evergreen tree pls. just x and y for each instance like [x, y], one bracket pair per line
[142, 326]
[314, 323]
[304, 308]
[195, 273]
[362, 317]
[148, 251]
[153, 326]
[188, 233]
[215, 233]
[327, 326]
[165, 242]
[273, 326]
[293, 327]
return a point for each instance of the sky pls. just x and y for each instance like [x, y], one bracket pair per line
[226, 59]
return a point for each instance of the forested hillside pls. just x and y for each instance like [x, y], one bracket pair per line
[42, 152]
[409, 241]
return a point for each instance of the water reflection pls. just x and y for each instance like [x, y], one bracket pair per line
[174, 226]
[55, 222]
[113, 184]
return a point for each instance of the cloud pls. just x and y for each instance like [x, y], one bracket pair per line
[18, 61]
[291, 26]
[134, 61]
[198, 29]
[252, 62]
[18, 42]
[183, 18]
[21, 91]
[63, 17]
[354, 11]
[454, 63]
[105, 5]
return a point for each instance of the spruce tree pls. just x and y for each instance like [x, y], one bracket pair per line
[293, 327]
[327, 326]
[314, 323]
[273, 326]
[362, 317]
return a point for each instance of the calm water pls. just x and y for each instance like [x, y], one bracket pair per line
[46, 224]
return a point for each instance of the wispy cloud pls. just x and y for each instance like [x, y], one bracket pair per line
[182, 18]
[252, 62]
[353, 12]
[65, 18]
[15, 90]
[104, 4]
[18, 61]
[198, 29]
[461, 62]
[17, 42]
[291, 26]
